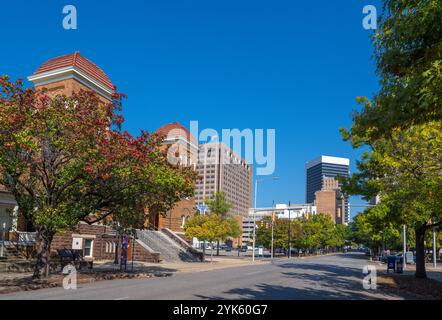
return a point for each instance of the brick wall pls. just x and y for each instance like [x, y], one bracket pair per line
[66, 87]
[103, 247]
[325, 202]
[172, 221]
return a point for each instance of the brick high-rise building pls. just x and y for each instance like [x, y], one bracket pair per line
[330, 202]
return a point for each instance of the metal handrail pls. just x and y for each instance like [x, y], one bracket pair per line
[21, 239]
[150, 224]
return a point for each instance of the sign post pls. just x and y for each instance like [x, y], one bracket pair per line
[271, 249]
[2, 247]
[123, 253]
[202, 208]
[434, 248]
[405, 245]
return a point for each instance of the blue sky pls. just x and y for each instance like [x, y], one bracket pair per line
[295, 66]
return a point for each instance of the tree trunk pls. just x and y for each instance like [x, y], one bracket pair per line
[43, 239]
[420, 253]
[217, 248]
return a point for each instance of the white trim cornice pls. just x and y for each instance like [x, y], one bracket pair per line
[72, 72]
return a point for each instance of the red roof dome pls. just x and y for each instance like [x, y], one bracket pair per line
[176, 129]
[76, 60]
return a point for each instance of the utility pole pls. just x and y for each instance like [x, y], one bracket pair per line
[202, 210]
[405, 246]
[254, 221]
[383, 239]
[273, 222]
[254, 213]
[117, 243]
[289, 244]
[434, 248]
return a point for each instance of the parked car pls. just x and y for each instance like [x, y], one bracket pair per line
[244, 249]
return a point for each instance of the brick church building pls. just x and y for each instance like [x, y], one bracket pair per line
[65, 75]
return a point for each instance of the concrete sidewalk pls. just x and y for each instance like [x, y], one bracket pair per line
[432, 273]
[106, 270]
[175, 267]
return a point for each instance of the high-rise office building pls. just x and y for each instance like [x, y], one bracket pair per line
[222, 170]
[320, 175]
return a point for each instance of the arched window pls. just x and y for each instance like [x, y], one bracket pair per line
[185, 213]
[183, 221]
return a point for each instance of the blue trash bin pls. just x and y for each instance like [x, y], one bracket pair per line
[391, 263]
[399, 265]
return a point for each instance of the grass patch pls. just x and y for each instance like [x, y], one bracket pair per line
[427, 289]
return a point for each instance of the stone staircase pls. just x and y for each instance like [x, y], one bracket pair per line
[14, 260]
[169, 250]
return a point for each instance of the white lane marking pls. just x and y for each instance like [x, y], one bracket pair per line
[122, 298]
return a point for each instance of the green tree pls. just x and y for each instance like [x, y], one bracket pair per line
[211, 228]
[220, 206]
[340, 236]
[372, 227]
[408, 53]
[264, 233]
[325, 230]
[401, 125]
[406, 171]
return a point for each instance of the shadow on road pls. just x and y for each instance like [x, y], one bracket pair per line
[263, 291]
[309, 280]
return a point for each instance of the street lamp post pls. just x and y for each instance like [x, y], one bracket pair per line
[383, 239]
[434, 248]
[202, 209]
[254, 221]
[405, 246]
[2, 247]
[273, 222]
[116, 243]
[254, 215]
[289, 244]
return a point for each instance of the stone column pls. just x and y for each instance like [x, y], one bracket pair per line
[14, 219]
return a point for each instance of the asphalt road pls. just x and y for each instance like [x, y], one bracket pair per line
[327, 277]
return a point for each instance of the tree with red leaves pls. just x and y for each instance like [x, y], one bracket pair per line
[66, 160]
